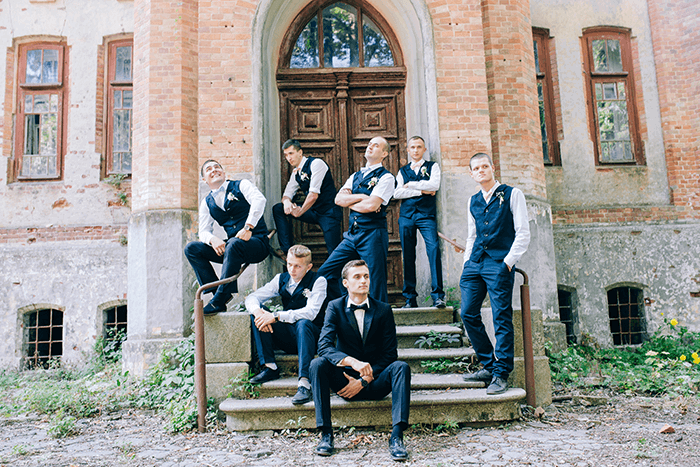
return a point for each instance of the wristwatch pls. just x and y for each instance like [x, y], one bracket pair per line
[247, 228]
[364, 382]
[276, 315]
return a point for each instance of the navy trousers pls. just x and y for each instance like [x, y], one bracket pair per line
[299, 338]
[490, 276]
[328, 221]
[372, 246]
[237, 252]
[394, 379]
[408, 228]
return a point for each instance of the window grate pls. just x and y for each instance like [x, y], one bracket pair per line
[115, 325]
[43, 337]
[626, 313]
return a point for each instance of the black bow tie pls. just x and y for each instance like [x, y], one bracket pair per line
[354, 307]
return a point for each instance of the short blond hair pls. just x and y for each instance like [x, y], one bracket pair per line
[300, 251]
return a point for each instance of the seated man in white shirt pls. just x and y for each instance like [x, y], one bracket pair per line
[296, 328]
[237, 206]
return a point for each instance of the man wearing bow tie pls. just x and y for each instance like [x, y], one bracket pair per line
[296, 328]
[311, 178]
[367, 193]
[358, 359]
[498, 234]
[237, 206]
[416, 184]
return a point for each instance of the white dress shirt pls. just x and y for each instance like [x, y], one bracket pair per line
[314, 299]
[384, 187]
[518, 207]
[359, 314]
[318, 171]
[254, 197]
[415, 188]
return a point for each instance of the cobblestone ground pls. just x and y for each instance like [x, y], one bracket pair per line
[622, 432]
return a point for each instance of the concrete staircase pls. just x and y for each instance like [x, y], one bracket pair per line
[435, 398]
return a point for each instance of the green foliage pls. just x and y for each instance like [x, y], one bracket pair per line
[436, 340]
[19, 450]
[242, 387]
[445, 365]
[295, 429]
[666, 364]
[62, 425]
[115, 180]
[107, 350]
[447, 427]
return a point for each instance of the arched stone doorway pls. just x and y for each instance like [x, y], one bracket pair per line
[341, 82]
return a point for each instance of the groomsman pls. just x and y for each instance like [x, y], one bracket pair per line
[237, 206]
[296, 328]
[416, 184]
[358, 359]
[313, 180]
[498, 234]
[367, 193]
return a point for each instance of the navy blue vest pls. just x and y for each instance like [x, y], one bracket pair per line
[423, 205]
[326, 198]
[236, 209]
[297, 299]
[495, 231]
[364, 185]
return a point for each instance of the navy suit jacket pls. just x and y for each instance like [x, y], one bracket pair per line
[340, 336]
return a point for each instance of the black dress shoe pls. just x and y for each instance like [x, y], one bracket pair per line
[325, 446]
[268, 374]
[483, 376]
[439, 303]
[212, 309]
[302, 396]
[498, 386]
[397, 450]
[411, 303]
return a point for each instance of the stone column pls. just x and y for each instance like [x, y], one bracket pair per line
[165, 179]
[515, 134]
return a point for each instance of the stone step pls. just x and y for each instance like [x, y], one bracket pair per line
[470, 406]
[408, 335]
[289, 364]
[284, 387]
[423, 315]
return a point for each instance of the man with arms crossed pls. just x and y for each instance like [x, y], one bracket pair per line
[358, 359]
[498, 234]
[416, 184]
[295, 329]
[237, 206]
[312, 178]
[367, 193]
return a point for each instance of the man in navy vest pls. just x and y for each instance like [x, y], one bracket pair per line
[296, 328]
[367, 193]
[416, 184]
[237, 206]
[358, 359]
[498, 234]
[312, 179]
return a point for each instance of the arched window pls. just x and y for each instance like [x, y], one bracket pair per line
[626, 313]
[43, 336]
[349, 38]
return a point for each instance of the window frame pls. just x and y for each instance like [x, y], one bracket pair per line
[24, 89]
[110, 86]
[541, 36]
[36, 360]
[637, 301]
[623, 35]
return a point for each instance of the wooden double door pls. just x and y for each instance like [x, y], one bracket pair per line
[334, 113]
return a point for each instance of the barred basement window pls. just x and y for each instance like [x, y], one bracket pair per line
[566, 314]
[626, 312]
[43, 337]
[114, 327]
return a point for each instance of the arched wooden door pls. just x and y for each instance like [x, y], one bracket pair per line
[337, 97]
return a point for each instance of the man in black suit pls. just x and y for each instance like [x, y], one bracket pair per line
[362, 364]
[238, 207]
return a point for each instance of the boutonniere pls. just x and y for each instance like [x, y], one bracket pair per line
[373, 181]
[230, 197]
[306, 293]
[423, 170]
[499, 195]
[304, 176]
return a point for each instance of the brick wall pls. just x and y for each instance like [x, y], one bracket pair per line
[569, 216]
[27, 236]
[6, 122]
[675, 27]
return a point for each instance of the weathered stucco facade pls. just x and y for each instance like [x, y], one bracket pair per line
[205, 86]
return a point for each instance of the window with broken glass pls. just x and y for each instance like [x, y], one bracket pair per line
[610, 89]
[39, 124]
[120, 113]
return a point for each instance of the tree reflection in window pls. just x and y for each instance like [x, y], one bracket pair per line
[342, 48]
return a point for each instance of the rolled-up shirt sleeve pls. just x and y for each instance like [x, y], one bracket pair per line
[521, 222]
[256, 200]
[314, 300]
[206, 223]
[318, 171]
[471, 232]
[292, 186]
[384, 188]
[263, 294]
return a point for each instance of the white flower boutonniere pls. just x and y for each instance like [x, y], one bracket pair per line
[423, 171]
[230, 197]
[306, 293]
[373, 182]
[499, 195]
[304, 176]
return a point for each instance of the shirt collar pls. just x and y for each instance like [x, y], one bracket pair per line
[488, 194]
[416, 165]
[369, 168]
[222, 188]
[350, 302]
[301, 163]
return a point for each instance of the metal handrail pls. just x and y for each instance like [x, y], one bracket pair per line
[528, 353]
[200, 367]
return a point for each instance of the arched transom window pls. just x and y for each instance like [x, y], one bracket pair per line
[349, 38]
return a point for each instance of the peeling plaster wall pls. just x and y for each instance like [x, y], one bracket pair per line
[660, 259]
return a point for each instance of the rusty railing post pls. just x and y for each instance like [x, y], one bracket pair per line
[528, 354]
